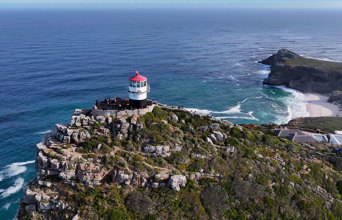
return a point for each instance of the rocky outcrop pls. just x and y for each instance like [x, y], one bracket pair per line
[305, 74]
[173, 164]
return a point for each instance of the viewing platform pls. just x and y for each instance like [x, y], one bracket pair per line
[120, 107]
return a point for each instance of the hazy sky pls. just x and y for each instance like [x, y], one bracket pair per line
[175, 3]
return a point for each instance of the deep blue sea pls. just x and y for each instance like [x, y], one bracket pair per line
[53, 61]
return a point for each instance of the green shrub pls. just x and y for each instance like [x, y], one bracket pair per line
[339, 186]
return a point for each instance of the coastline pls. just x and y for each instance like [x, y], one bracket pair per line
[318, 106]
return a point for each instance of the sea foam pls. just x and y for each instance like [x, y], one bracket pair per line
[43, 132]
[296, 105]
[14, 169]
[18, 184]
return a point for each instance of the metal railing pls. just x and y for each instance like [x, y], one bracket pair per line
[139, 92]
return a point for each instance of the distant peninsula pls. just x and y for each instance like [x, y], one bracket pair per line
[305, 74]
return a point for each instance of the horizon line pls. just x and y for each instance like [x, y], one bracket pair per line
[123, 6]
[201, 5]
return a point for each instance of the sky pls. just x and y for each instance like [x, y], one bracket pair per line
[172, 3]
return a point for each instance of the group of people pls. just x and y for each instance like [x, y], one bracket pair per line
[112, 104]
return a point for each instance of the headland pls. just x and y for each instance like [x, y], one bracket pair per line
[319, 80]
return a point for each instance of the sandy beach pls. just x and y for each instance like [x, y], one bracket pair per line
[318, 106]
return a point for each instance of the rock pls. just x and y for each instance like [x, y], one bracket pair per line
[215, 126]
[178, 147]
[164, 122]
[177, 181]
[230, 149]
[174, 117]
[76, 217]
[83, 135]
[101, 119]
[219, 136]
[203, 128]
[155, 185]
[161, 176]
[134, 119]
[120, 177]
[31, 197]
[74, 137]
[31, 208]
[212, 137]
[161, 150]
[44, 206]
[66, 139]
[209, 140]
[54, 164]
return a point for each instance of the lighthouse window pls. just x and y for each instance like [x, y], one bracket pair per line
[145, 83]
[134, 84]
[138, 83]
[130, 83]
[142, 84]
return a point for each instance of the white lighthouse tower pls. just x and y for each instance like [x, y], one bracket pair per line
[137, 90]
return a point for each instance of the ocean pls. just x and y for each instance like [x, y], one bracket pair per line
[53, 61]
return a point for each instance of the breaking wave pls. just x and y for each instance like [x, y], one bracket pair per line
[263, 72]
[6, 206]
[14, 169]
[18, 184]
[296, 105]
[232, 113]
[43, 132]
[249, 117]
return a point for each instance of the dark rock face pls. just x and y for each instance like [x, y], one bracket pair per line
[304, 74]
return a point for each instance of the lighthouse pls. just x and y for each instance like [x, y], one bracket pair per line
[137, 90]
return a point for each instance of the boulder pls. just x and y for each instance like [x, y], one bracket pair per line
[212, 137]
[209, 140]
[219, 136]
[83, 135]
[174, 117]
[177, 181]
[215, 126]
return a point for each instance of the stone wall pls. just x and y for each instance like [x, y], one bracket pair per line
[117, 113]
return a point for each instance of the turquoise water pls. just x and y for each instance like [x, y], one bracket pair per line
[52, 62]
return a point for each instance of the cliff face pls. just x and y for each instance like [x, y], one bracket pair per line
[170, 163]
[304, 74]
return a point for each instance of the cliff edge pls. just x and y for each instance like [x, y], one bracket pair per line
[305, 74]
[168, 163]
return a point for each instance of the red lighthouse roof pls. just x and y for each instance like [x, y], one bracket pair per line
[137, 77]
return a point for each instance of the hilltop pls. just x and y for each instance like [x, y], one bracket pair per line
[171, 163]
[305, 74]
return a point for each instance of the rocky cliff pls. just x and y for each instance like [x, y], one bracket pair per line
[173, 164]
[305, 74]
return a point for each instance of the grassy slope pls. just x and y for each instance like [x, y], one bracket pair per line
[266, 177]
[302, 61]
[328, 124]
